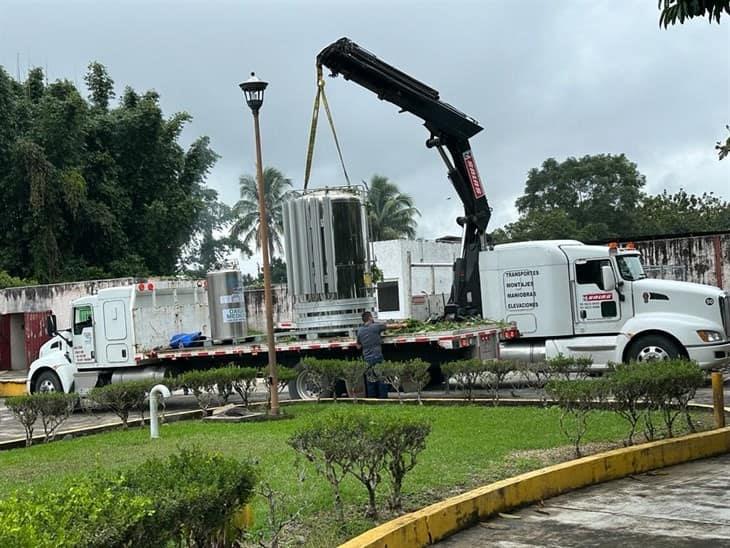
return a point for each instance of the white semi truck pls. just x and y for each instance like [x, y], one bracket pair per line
[587, 300]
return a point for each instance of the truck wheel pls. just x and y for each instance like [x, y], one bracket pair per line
[649, 348]
[48, 381]
[305, 386]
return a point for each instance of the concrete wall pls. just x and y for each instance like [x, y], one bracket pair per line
[703, 259]
[391, 257]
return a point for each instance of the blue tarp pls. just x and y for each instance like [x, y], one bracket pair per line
[183, 340]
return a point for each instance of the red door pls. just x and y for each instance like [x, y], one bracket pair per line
[35, 334]
[5, 342]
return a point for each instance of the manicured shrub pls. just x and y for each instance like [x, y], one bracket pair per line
[122, 398]
[466, 373]
[243, 380]
[284, 375]
[196, 495]
[576, 398]
[401, 439]
[325, 440]
[324, 373]
[25, 410]
[416, 372]
[568, 367]
[392, 373]
[203, 385]
[496, 373]
[54, 408]
[188, 499]
[352, 372]
[365, 445]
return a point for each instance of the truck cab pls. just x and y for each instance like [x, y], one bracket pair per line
[575, 299]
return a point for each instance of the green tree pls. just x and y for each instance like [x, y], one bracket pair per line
[91, 189]
[247, 222]
[681, 212]
[588, 198]
[679, 10]
[391, 213]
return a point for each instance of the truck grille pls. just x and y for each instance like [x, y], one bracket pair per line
[725, 313]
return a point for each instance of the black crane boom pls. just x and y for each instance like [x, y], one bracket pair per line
[450, 130]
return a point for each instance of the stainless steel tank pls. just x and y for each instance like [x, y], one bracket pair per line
[327, 257]
[226, 305]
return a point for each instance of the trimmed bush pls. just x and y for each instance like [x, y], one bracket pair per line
[576, 399]
[467, 374]
[202, 384]
[52, 408]
[416, 372]
[123, 397]
[188, 499]
[497, 371]
[243, 380]
[25, 410]
[366, 445]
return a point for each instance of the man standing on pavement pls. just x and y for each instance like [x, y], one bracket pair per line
[369, 340]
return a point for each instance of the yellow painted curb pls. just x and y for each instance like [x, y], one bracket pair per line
[435, 522]
[11, 388]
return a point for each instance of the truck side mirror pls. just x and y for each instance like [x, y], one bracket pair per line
[607, 278]
[51, 329]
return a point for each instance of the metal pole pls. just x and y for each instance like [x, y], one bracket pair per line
[264, 228]
[718, 399]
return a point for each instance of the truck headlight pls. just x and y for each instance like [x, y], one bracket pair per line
[709, 336]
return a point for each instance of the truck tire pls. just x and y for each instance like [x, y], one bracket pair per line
[47, 381]
[653, 348]
[304, 386]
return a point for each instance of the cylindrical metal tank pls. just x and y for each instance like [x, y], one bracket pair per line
[327, 257]
[226, 305]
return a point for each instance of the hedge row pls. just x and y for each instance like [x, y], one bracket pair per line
[188, 499]
[641, 393]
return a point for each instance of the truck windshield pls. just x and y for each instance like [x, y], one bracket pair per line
[630, 267]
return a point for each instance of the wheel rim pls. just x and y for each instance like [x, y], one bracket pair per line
[307, 386]
[46, 385]
[652, 354]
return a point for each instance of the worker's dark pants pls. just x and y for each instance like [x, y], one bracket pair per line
[375, 389]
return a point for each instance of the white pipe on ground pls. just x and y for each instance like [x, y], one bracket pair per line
[163, 391]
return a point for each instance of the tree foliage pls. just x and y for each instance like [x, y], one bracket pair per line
[391, 213]
[600, 197]
[679, 10]
[93, 189]
[246, 229]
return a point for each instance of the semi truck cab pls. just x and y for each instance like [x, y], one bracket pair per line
[575, 299]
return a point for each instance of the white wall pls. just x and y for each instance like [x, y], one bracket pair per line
[391, 258]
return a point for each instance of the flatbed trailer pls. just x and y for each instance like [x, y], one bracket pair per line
[434, 347]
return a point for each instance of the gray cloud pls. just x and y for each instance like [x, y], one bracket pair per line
[545, 79]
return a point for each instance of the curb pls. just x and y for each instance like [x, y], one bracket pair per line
[437, 521]
[12, 388]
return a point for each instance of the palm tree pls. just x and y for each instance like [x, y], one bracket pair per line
[246, 210]
[390, 212]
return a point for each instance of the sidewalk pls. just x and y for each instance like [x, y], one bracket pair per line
[682, 506]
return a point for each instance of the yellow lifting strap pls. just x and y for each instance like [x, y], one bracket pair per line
[313, 130]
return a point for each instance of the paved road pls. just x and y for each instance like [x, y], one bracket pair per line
[682, 506]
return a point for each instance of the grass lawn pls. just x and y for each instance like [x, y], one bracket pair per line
[468, 446]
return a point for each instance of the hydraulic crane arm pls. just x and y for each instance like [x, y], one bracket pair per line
[450, 131]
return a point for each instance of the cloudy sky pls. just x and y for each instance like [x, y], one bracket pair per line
[545, 79]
